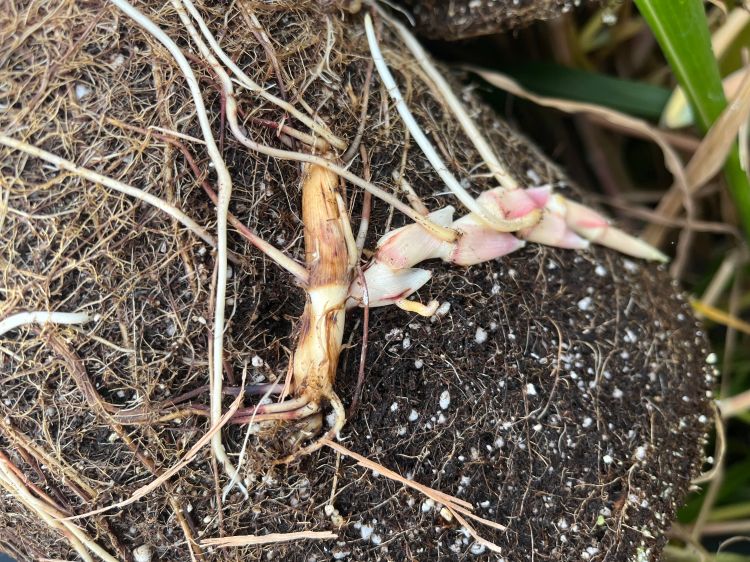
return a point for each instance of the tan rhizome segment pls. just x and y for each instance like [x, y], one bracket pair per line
[330, 257]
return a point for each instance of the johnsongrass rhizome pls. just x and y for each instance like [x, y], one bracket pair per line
[274, 286]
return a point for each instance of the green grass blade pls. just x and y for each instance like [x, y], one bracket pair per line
[557, 81]
[681, 29]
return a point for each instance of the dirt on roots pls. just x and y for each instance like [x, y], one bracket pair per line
[461, 19]
[563, 394]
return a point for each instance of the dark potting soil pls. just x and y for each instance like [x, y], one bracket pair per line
[565, 395]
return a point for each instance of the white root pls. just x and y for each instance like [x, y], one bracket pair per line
[504, 178]
[498, 223]
[224, 185]
[43, 317]
[323, 67]
[231, 106]
[248, 83]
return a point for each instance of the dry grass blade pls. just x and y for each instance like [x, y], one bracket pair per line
[477, 537]
[726, 528]
[682, 141]
[737, 20]
[154, 484]
[719, 316]
[735, 405]
[720, 280]
[616, 118]
[708, 159]
[455, 505]
[248, 540]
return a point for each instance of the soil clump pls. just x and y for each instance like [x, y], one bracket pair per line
[564, 394]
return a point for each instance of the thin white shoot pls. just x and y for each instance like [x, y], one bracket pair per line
[324, 64]
[248, 432]
[43, 317]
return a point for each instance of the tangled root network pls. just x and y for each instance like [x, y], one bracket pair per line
[206, 213]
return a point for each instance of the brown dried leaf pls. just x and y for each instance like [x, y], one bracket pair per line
[713, 151]
[710, 156]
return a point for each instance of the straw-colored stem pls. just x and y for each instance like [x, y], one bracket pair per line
[331, 256]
